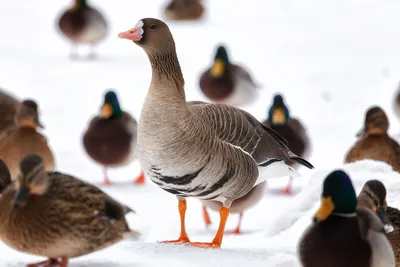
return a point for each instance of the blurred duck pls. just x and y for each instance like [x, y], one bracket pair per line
[373, 197]
[110, 138]
[396, 103]
[25, 139]
[82, 24]
[342, 235]
[291, 129]
[184, 10]
[374, 142]
[5, 177]
[239, 206]
[59, 216]
[227, 83]
[8, 109]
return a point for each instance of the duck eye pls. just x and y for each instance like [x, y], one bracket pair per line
[152, 26]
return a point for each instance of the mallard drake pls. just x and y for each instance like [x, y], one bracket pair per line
[8, 108]
[196, 149]
[83, 24]
[227, 83]
[239, 206]
[374, 142]
[184, 10]
[373, 197]
[291, 129]
[58, 215]
[110, 138]
[342, 235]
[25, 139]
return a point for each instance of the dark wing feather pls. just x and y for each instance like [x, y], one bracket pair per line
[239, 128]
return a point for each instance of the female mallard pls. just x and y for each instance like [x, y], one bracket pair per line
[291, 129]
[25, 139]
[184, 10]
[375, 143]
[227, 83]
[373, 197]
[58, 216]
[110, 138]
[240, 205]
[196, 149]
[8, 108]
[342, 235]
[83, 24]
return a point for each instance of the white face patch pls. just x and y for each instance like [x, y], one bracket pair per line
[139, 27]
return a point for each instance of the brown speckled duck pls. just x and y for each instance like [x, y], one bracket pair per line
[25, 139]
[110, 138]
[8, 108]
[342, 235]
[290, 128]
[239, 206]
[374, 142]
[373, 197]
[227, 83]
[83, 24]
[58, 216]
[184, 10]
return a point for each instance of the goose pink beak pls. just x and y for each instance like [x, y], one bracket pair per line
[134, 34]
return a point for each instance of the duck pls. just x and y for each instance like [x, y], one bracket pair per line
[396, 103]
[290, 128]
[184, 10]
[342, 234]
[8, 108]
[227, 83]
[374, 142]
[5, 178]
[82, 24]
[25, 139]
[59, 216]
[373, 198]
[196, 149]
[239, 206]
[110, 138]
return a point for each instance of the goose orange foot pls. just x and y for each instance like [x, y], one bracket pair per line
[140, 180]
[204, 244]
[50, 263]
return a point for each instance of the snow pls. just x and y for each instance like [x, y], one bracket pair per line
[330, 59]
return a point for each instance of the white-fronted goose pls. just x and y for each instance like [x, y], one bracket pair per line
[290, 128]
[58, 216]
[110, 138]
[227, 83]
[342, 235]
[83, 24]
[196, 149]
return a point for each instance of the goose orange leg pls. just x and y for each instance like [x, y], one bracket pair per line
[217, 241]
[288, 190]
[106, 179]
[50, 262]
[206, 216]
[140, 179]
[237, 229]
[183, 237]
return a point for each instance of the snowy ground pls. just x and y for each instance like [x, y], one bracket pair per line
[330, 59]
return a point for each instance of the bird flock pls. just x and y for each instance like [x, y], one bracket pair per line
[211, 151]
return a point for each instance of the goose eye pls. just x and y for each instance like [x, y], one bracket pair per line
[152, 26]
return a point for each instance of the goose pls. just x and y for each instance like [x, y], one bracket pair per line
[25, 139]
[373, 198]
[184, 10]
[197, 149]
[290, 128]
[58, 216]
[110, 138]
[342, 235]
[83, 24]
[374, 142]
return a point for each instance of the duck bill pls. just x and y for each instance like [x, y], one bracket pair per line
[134, 34]
[39, 123]
[278, 117]
[21, 196]
[326, 209]
[385, 220]
[106, 111]
[217, 70]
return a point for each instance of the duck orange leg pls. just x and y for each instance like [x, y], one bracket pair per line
[237, 229]
[183, 238]
[288, 190]
[140, 179]
[217, 241]
[206, 216]
[50, 262]
[106, 179]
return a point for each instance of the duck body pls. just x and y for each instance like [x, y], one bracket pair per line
[184, 10]
[71, 219]
[351, 243]
[83, 24]
[8, 109]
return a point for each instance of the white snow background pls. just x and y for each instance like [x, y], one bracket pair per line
[330, 59]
